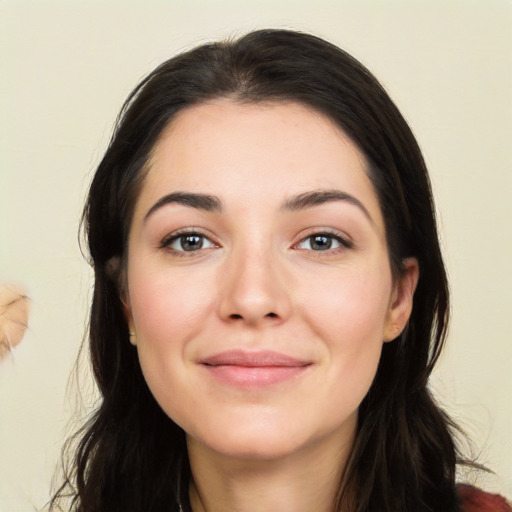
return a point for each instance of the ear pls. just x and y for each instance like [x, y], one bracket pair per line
[115, 272]
[125, 299]
[400, 307]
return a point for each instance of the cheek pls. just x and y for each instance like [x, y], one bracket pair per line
[348, 314]
[168, 307]
[169, 310]
[353, 304]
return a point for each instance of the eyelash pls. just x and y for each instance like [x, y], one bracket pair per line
[344, 243]
[166, 243]
[170, 239]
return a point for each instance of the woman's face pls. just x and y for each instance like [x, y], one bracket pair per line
[259, 284]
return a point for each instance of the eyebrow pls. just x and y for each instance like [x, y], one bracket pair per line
[210, 203]
[319, 197]
[204, 202]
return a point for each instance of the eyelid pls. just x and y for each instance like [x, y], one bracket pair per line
[173, 236]
[342, 238]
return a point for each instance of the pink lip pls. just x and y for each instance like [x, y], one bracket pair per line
[252, 370]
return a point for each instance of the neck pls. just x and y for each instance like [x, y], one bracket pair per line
[301, 482]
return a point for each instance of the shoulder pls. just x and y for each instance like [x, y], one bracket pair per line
[473, 499]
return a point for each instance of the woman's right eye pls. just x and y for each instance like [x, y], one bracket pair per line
[187, 242]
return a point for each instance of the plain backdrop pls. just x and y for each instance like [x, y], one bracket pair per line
[65, 69]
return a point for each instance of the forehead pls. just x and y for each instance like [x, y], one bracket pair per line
[257, 154]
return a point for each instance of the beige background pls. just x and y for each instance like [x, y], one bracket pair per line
[66, 67]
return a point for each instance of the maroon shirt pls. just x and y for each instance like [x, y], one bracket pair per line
[476, 500]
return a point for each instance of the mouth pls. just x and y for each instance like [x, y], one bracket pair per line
[253, 370]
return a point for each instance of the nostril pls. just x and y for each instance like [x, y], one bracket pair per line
[236, 316]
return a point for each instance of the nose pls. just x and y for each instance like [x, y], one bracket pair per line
[254, 289]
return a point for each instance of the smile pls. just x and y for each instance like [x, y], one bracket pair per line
[253, 370]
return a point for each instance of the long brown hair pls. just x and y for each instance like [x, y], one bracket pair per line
[130, 456]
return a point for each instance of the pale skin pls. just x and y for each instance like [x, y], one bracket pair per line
[258, 230]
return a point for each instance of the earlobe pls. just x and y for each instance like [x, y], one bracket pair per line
[129, 320]
[125, 301]
[402, 300]
[115, 272]
[127, 310]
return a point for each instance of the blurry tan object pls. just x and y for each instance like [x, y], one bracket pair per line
[14, 310]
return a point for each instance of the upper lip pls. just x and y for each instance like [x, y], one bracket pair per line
[257, 359]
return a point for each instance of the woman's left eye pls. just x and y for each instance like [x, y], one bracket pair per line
[322, 242]
[187, 242]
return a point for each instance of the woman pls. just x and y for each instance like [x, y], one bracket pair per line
[270, 297]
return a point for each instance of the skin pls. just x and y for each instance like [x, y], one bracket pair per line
[261, 281]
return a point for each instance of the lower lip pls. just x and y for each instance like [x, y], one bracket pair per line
[254, 377]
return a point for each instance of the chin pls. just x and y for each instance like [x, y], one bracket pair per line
[255, 438]
[251, 447]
